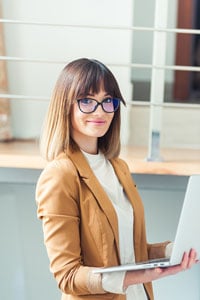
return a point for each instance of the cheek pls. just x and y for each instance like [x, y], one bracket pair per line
[76, 117]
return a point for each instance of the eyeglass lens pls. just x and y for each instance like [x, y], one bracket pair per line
[88, 105]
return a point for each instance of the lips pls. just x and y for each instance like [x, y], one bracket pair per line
[97, 122]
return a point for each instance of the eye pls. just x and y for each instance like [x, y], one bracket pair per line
[108, 100]
[86, 101]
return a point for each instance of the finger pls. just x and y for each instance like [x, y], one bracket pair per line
[193, 254]
[192, 258]
[170, 270]
[184, 262]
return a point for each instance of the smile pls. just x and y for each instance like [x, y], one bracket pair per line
[98, 122]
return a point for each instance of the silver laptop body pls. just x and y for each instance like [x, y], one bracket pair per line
[187, 234]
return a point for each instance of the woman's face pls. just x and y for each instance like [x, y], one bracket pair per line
[87, 128]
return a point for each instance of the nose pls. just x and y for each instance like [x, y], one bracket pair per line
[99, 108]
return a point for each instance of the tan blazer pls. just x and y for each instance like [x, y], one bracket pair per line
[80, 225]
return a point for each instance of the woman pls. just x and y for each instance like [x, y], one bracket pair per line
[91, 212]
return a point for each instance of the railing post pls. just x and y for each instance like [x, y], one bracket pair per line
[157, 80]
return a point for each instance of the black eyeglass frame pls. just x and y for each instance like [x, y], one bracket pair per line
[115, 105]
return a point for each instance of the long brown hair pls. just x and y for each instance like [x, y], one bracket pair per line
[79, 78]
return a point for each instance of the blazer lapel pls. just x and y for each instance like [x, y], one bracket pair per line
[89, 178]
[134, 198]
[126, 181]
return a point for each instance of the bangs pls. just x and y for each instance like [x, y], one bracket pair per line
[93, 77]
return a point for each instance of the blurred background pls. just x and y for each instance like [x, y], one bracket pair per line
[153, 67]
[153, 49]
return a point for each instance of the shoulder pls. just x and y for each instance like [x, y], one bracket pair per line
[61, 166]
[60, 173]
[57, 188]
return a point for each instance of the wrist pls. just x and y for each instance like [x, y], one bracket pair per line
[133, 277]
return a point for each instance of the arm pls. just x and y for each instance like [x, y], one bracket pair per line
[58, 208]
[158, 250]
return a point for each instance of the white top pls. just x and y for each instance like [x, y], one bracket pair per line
[113, 282]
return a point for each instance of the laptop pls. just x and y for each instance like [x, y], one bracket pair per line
[187, 234]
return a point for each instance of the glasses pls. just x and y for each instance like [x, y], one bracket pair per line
[88, 105]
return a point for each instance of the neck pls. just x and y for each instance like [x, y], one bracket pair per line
[89, 150]
[87, 145]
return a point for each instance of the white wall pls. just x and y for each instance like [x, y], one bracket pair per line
[62, 44]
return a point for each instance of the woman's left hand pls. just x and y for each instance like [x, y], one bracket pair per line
[147, 275]
[189, 259]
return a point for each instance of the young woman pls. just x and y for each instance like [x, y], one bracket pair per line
[91, 212]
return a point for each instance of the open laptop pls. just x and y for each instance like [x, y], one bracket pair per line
[187, 234]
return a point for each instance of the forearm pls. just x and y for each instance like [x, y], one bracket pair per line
[135, 277]
[142, 276]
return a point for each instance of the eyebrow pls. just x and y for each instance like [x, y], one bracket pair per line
[92, 95]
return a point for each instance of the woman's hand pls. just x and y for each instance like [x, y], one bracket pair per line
[147, 275]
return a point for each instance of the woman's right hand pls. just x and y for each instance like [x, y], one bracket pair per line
[148, 275]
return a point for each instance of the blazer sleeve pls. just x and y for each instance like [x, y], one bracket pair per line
[57, 197]
[157, 250]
